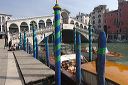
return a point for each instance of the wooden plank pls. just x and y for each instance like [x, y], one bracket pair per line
[3, 65]
[33, 71]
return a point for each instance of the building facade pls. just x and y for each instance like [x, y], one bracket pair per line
[111, 22]
[97, 17]
[117, 22]
[84, 18]
[3, 23]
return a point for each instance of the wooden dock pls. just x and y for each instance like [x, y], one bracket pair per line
[115, 74]
[32, 71]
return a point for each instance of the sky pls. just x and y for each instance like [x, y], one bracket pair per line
[31, 8]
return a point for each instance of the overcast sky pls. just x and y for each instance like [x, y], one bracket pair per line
[26, 8]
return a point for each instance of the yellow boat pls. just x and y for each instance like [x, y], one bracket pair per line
[115, 74]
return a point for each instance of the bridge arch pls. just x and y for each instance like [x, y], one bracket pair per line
[31, 23]
[3, 19]
[13, 28]
[85, 27]
[72, 22]
[65, 17]
[24, 27]
[41, 24]
[48, 23]
[77, 24]
[81, 26]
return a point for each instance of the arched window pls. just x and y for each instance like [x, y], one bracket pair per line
[41, 24]
[77, 24]
[33, 24]
[81, 26]
[64, 17]
[85, 27]
[24, 27]
[48, 23]
[72, 22]
[13, 28]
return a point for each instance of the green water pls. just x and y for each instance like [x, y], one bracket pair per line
[121, 48]
[114, 47]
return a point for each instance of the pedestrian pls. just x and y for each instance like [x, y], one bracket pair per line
[10, 44]
[6, 40]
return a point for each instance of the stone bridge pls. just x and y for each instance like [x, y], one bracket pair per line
[44, 25]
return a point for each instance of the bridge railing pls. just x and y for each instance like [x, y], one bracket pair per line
[29, 34]
[86, 31]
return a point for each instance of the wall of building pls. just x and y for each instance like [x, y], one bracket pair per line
[84, 18]
[97, 17]
[123, 19]
[117, 22]
[3, 19]
[111, 22]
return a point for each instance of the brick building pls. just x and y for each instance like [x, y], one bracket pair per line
[117, 22]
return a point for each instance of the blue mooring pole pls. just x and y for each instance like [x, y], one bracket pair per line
[27, 46]
[53, 42]
[25, 43]
[74, 40]
[34, 43]
[90, 42]
[101, 55]
[47, 51]
[37, 48]
[78, 58]
[57, 44]
[20, 41]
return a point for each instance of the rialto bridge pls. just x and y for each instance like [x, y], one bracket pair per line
[44, 25]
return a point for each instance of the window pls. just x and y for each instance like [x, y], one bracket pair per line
[120, 30]
[93, 22]
[99, 26]
[99, 11]
[120, 14]
[99, 21]
[99, 16]
[105, 21]
[93, 12]
[93, 17]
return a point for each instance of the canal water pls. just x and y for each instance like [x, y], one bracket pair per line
[113, 47]
[121, 48]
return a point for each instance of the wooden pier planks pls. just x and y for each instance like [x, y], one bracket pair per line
[32, 70]
[3, 65]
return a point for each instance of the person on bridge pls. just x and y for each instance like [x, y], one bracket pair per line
[6, 41]
[10, 44]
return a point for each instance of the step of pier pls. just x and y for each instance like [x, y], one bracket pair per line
[32, 71]
[3, 65]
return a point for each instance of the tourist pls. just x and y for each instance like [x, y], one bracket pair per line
[6, 40]
[10, 44]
